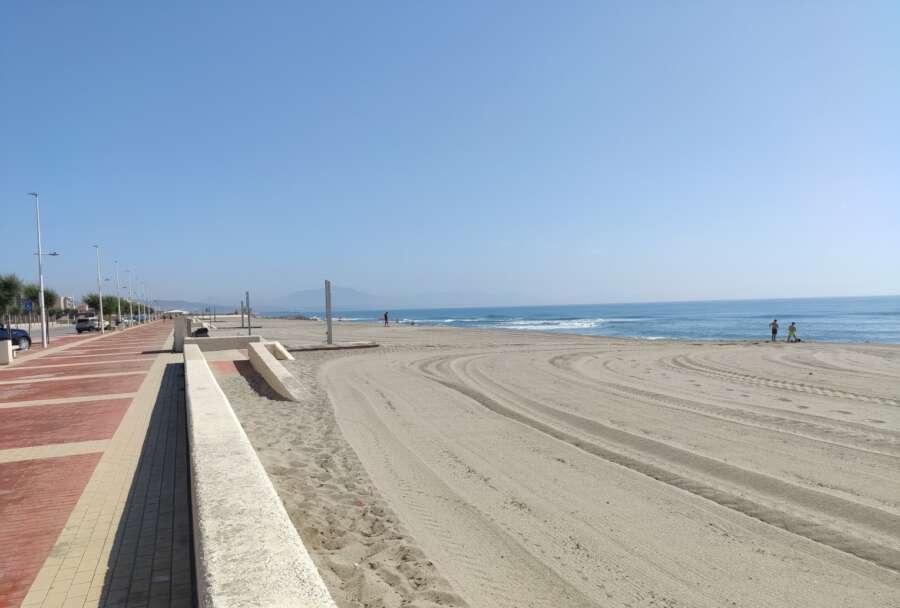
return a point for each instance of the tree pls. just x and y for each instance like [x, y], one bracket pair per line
[31, 291]
[51, 298]
[110, 305]
[10, 288]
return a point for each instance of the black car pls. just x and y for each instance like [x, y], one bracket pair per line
[20, 337]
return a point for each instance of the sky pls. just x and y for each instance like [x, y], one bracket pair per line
[470, 152]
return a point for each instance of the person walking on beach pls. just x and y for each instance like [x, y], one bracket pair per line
[774, 327]
[792, 332]
[385, 319]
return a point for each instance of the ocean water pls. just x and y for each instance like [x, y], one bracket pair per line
[863, 319]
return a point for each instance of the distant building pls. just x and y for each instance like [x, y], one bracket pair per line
[83, 307]
[68, 303]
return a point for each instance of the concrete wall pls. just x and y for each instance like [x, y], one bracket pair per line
[223, 342]
[182, 329]
[247, 550]
[275, 374]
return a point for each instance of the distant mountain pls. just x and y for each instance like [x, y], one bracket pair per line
[346, 298]
[342, 298]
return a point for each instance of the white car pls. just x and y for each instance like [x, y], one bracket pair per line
[89, 324]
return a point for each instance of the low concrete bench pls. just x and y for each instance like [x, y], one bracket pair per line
[247, 551]
[264, 358]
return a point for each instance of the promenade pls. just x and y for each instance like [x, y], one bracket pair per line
[94, 496]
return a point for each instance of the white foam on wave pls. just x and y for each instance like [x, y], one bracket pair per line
[551, 324]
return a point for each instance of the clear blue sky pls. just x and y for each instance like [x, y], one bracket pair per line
[528, 152]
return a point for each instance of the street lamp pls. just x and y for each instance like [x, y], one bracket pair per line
[99, 289]
[45, 331]
[130, 297]
[118, 295]
[137, 295]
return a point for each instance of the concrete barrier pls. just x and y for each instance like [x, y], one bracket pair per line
[339, 346]
[274, 373]
[223, 342]
[279, 352]
[6, 352]
[247, 551]
[182, 330]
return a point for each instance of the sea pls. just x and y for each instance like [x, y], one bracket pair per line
[851, 319]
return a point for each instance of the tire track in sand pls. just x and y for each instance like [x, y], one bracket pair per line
[466, 538]
[815, 518]
[827, 430]
[685, 362]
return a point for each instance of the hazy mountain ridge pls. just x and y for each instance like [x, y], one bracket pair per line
[346, 298]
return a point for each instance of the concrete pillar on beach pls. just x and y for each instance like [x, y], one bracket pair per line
[249, 320]
[328, 333]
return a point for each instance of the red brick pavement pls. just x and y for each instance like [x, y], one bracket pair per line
[54, 343]
[65, 423]
[66, 387]
[59, 370]
[64, 358]
[38, 495]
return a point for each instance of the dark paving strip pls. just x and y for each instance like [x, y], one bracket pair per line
[152, 559]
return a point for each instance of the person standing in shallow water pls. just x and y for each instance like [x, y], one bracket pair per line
[385, 319]
[774, 327]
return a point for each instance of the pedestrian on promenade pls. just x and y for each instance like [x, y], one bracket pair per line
[774, 327]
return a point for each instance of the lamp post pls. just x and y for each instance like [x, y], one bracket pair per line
[137, 304]
[118, 295]
[99, 289]
[40, 255]
[45, 331]
[130, 298]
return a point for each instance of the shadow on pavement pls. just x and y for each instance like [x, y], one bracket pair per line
[151, 563]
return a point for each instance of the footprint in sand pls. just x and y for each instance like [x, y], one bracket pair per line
[802, 407]
[845, 412]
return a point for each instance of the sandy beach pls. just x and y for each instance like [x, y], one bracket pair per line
[486, 468]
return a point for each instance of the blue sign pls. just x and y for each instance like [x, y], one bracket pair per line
[28, 305]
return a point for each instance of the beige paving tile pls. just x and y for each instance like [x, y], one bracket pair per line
[52, 450]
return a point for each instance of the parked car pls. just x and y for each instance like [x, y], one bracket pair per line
[19, 337]
[91, 323]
